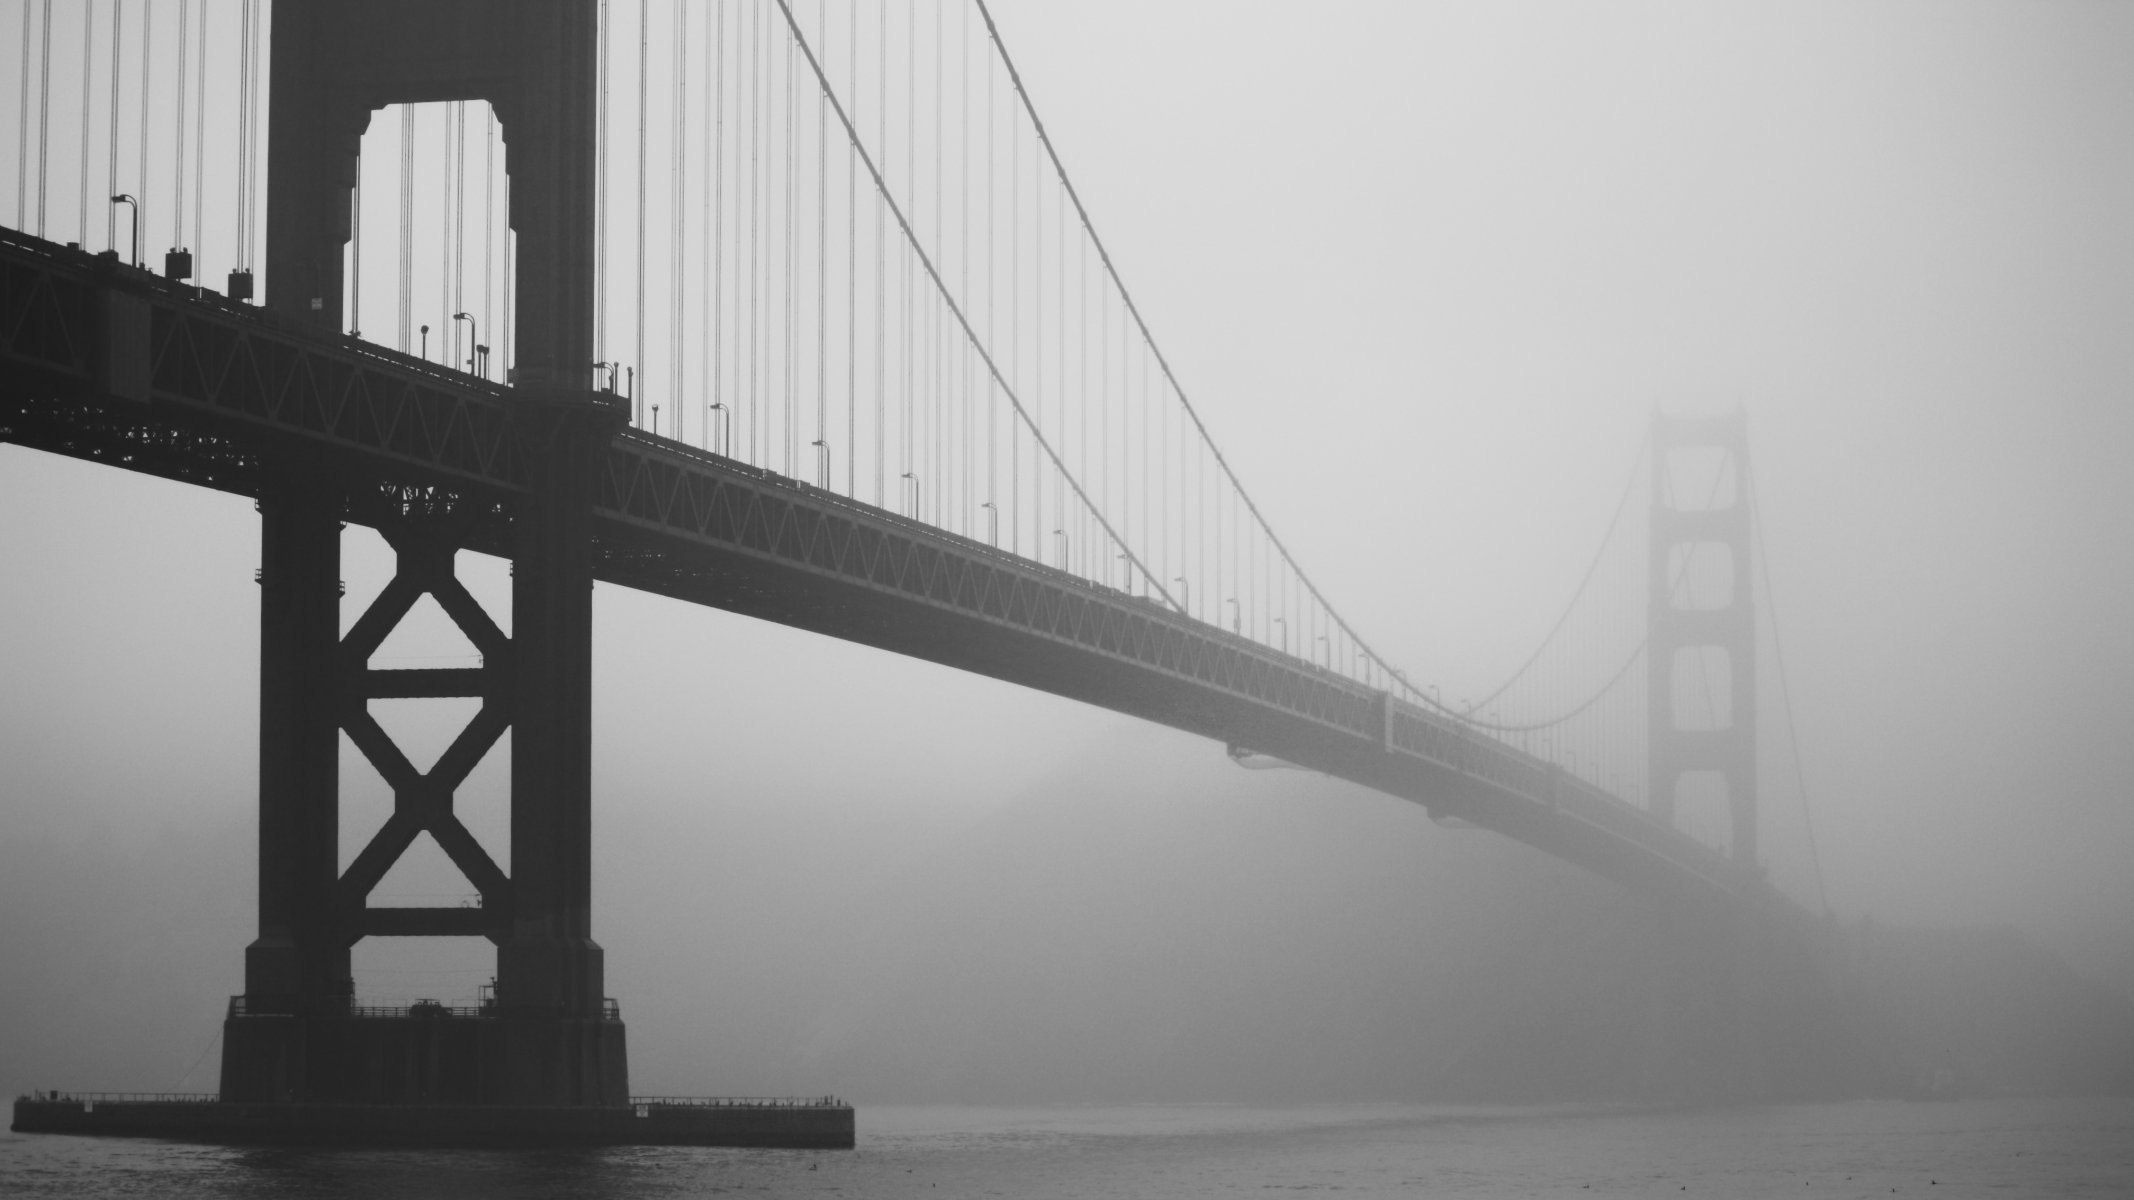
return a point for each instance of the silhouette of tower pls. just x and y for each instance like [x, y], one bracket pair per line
[548, 1036]
[1690, 634]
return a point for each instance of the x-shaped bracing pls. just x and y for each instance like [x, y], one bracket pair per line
[422, 801]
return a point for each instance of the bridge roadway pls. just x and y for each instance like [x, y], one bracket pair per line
[111, 364]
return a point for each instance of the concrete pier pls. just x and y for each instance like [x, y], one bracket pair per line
[821, 1123]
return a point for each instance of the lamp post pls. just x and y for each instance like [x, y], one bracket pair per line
[474, 332]
[993, 527]
[726, 439]
[133, 208]
[1185, 594]
[425, 343]
[1284, 623]
[913, 476]
[822, 463]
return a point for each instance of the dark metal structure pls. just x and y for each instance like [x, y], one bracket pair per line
[105, 362]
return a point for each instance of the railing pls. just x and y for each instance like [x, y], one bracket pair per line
[282, 1006]
[122, 1098]
[738, 1102]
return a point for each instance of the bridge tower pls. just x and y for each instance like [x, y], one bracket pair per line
[550, 1037]
[1685, 644]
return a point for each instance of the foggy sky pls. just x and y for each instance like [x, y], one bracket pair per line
[1427, 269]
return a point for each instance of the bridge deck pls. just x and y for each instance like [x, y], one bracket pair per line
[108, 363]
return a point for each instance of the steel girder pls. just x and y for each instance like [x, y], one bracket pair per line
[425, 546]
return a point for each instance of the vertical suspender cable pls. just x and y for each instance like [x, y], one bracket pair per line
[852, 281]
[355, 258]
[992, 277]
[177, 221]
[406, 243]
[1015, 327]
[718, 238]
[822, 267]
[881, 243]
[939, 469]
[44, 115]
[81, 215]
[244, 128]
[22, 129]
[200, 150]
[963, 113]
[789, 250]
[904, 317]
[447, 328]
[712, 181]
[489, 229]
[644, 50]
[148, 62]
[252, 161]
[600, 204]
[463, 353]
[111, 167]
[678, 274]
[751, 393]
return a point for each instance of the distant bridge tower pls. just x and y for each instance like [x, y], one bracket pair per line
[1708, 647]
[549, 1038]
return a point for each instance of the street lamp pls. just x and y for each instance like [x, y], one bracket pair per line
[1185, 593]
[822, 463]
[474, 332]
[1284, 623]
[993, 528]
[726, 438]
[1062, 535]
[914, 477]
[1237, 615]
[133, 208]
[425, 343]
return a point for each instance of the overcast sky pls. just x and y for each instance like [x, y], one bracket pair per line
[1428, 269]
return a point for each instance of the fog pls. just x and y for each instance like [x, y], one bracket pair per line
[1428, 270]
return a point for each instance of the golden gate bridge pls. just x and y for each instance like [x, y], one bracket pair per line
[781, 307]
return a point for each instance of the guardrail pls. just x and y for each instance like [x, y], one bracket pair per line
[243, 1006]
[739, 1102]
[42, 1097]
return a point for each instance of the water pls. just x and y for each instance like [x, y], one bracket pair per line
[1942, 1150]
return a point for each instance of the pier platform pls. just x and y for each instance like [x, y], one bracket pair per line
[817, 1123]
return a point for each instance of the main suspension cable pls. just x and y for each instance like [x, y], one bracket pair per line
[948, 299]
[1622, 505]
[1126, 297]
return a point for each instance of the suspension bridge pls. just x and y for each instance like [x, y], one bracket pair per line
[785, 307]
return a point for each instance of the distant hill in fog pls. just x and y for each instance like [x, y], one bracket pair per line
[1144, 925]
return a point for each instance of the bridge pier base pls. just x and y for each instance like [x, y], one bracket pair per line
[548, 1035]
